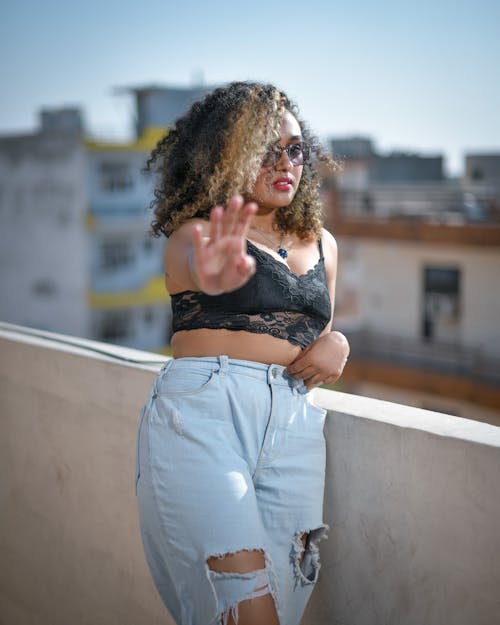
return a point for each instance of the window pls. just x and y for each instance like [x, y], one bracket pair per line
[115, 176]
[442, 280]
[45, 288]
[148, 316]
[441, 304]
[114, 326]
[115, 253]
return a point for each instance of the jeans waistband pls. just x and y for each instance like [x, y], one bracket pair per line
[271, 374]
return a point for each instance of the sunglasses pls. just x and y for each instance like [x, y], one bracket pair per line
[297, 153]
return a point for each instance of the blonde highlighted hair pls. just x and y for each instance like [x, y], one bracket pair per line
[216, 151]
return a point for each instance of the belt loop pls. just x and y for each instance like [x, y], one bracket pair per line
[223, 365]
[166, 365]
[164, 369]
[272, 374]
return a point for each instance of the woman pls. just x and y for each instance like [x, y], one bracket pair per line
[231, 457]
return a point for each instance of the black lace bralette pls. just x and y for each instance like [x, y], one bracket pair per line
[274, 301]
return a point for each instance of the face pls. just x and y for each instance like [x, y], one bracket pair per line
[277, 184]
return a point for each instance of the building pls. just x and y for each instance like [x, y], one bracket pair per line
[358, 154]
[420, 303]
[159, 106]
[76, 256]
[414, 186]
[481, 182]
[126, 292]
[417, 291]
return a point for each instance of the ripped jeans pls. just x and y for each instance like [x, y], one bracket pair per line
[230, 457]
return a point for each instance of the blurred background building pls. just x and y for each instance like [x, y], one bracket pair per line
[418, 290]
[419, 254]
[76, 255]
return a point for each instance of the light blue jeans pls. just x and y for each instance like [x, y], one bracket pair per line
[230, 457]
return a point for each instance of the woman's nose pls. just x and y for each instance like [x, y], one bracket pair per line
[284, 161]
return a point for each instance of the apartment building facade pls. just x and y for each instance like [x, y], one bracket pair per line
[76, 255]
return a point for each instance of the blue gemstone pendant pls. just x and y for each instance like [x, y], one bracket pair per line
[282, 252]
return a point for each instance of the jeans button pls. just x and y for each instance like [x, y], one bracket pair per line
[274, 373]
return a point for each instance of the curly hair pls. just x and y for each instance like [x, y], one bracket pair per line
[215, 151]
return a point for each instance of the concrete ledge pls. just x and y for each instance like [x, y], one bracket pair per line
[412, 499]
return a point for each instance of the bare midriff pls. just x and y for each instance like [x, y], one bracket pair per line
[234, 344]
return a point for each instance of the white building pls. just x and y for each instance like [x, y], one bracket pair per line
[76, 256]
[43, 257]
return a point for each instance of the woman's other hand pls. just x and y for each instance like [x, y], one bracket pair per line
[321, 362]
[220, 262]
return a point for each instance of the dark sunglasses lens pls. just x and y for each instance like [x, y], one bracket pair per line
[295, 154]
[303, 155]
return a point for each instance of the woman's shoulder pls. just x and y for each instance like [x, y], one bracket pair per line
[327, 241]
[184, 230]
[327, 238]
[182, 236]
[330, 251]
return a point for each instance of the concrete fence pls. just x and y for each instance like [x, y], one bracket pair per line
[412, 499]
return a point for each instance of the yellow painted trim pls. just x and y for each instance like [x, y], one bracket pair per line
[146, 142]
[89, 221]
[166, 350]
[153, 292]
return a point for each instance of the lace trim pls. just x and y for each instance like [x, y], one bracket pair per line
[296, 328]
[305, 290]
[266, 257]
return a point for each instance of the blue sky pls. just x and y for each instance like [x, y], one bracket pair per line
[413, 76]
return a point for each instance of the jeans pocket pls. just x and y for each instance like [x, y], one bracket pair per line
[316, 419]
[183, 382]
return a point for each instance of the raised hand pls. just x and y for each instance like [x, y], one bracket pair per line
[220, 262]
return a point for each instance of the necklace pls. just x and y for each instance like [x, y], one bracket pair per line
[283, 252]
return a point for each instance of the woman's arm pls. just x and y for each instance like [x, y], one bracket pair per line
[323, 361]
[210, 256]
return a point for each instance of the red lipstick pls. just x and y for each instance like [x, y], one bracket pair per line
[283, 184]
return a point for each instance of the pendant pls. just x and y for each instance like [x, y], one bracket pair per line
[282, 252]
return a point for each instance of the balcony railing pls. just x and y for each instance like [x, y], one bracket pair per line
[439, 356]
[412, 499]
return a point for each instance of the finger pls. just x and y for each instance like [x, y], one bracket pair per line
[245, 219]
[331, 379]
[216, 223]
[304, 374]
[246, 265]
[231, 214]
[315, 380]
[231, 247]
[300, 359]
[310, 385]
[198, 243]
[298, 365]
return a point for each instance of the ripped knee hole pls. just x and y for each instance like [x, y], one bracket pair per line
[244, 561]
[237, 577]
[305, 554]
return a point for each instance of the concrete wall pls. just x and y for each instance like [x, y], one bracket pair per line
[412, 499]
[70, 547]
